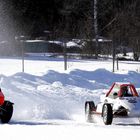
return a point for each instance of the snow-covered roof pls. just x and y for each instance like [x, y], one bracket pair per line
[31, 41]
[56, 42]
[69, 43]
[72, 44]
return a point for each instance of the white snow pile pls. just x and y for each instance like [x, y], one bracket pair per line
[56, 95]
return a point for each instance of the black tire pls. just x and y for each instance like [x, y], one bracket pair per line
[107, 114]
[6, 111]
[89, 107]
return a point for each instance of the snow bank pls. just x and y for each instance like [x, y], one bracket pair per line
[58, 95]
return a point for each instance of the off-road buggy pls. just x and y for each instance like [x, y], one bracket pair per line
[122, 100]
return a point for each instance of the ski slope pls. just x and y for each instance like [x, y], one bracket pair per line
[49, 102]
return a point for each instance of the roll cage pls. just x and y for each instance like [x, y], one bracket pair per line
[117, 90]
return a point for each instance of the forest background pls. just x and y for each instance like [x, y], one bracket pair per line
[117, 20]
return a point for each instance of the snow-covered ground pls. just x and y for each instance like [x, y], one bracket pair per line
[49, 102]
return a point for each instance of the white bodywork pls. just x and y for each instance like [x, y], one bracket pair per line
[131, 104]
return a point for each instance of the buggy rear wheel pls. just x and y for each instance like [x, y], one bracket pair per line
[89, 107]
[107, 114]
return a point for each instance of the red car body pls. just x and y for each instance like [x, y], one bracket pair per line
[1, 97]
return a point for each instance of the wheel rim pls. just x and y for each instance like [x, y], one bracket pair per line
[87, 109]
[88, 115]
[105, 114]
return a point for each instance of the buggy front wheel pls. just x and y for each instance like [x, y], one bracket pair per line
[107, 114]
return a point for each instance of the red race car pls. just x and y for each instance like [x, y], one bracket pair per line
[6, 109]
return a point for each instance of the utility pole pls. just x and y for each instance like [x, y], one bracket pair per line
[113, 58]
[22, 57]
[65, 54]
[20, 41]
[96, 28]
[117, 63]
[66, 14]
[113, 53]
